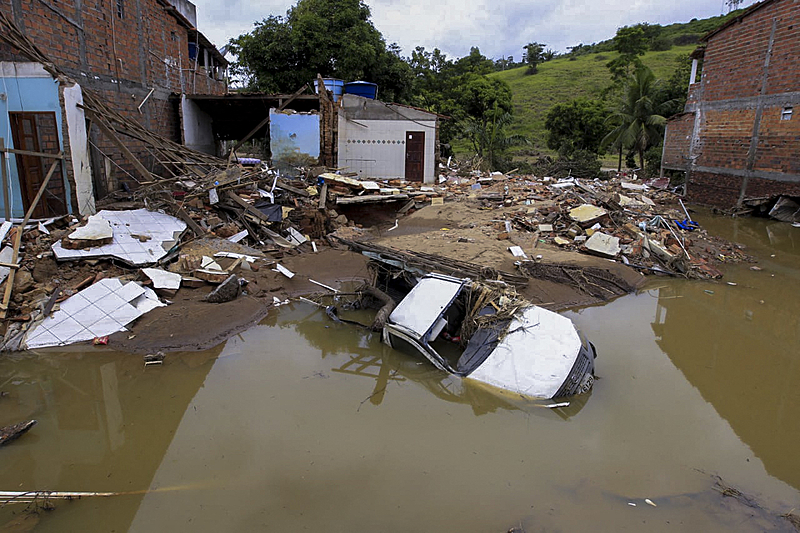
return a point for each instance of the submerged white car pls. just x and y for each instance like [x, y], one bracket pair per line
[534, 352]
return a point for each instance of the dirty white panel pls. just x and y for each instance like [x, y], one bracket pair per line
[98, 310]
[163, 279]
[141, 237]
[377, 148]
[422, 306]
[535, 357]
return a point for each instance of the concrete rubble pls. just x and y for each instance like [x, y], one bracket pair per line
[149, 238]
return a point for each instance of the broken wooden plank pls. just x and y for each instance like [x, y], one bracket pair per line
[372, 199]
[140, 168]
[18, 239]
[198, 231]
[9, 433]
[48, 307]
[405, 209]
[285, 186]
[323, 196]
[280, 241]
[34, 154]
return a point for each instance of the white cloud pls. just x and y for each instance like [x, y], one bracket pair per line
[497, 27]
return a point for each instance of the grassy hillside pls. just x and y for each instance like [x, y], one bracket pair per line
[562, 79]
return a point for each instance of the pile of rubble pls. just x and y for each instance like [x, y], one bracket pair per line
[641, 225]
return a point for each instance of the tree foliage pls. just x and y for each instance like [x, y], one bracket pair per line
[334, 38]
[639, 124]
[630, 42]
[674, 90]
[488, 137]
[458, 89]
[577, 125]
[534, 55]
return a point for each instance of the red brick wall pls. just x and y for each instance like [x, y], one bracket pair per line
[728, 99]
[724, 138]
[676, 141]
[779, 141]
[146, 48]
[757, 187]
[714, 189]
[734, 58]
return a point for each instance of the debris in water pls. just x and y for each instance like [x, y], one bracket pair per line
[648, 501]
[9, 433]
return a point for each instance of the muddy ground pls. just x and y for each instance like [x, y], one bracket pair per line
[454, 230]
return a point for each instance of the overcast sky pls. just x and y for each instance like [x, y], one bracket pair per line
[498, 27]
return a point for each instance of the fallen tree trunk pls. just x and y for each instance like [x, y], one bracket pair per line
[9, 433]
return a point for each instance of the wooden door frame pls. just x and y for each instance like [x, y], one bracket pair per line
[422, 152]
[24, 162]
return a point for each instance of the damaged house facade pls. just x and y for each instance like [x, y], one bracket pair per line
[138, 56]
[739, 135]
[357, 134]
[382, 140]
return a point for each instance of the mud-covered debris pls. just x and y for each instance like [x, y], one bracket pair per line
[228, 290]
[10, 433]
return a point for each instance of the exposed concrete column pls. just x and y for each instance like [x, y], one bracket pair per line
[751, 152]
[693, 75]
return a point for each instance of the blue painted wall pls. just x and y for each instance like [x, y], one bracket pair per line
[27, 94]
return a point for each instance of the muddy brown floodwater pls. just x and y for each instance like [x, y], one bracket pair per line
[302, 424]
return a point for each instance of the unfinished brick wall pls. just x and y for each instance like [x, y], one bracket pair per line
[725, 138]
[751, 73]
[677, 137]
[714, 189]
[120, 56]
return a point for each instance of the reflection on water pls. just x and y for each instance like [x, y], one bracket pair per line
[301, 423]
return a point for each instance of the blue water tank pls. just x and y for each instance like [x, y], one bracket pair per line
[362, 88]
[333, 85]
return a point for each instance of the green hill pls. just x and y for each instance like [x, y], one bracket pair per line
[585, 75]
[564, 79]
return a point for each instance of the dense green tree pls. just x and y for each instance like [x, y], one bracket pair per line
[475, 63]
[630, 42]
[483, 111]
[576, 125]
[534, 55]
[334, 38]
[675, 88]
[639, 124]
[458, 89]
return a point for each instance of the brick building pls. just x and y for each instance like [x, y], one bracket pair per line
[138, 56]
[739, 134]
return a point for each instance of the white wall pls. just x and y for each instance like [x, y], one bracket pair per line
[79, 149]
[196, 125]
[377, 148]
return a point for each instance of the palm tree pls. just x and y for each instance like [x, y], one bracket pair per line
[639, 124]
[488, 135]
